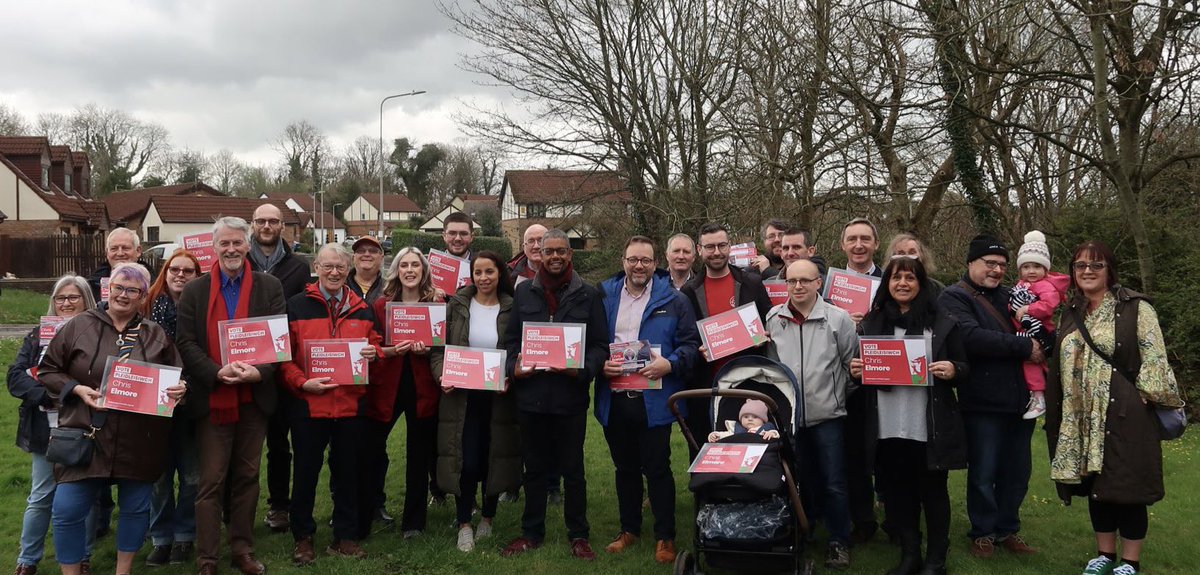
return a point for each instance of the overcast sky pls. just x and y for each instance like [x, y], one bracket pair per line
[233, 73]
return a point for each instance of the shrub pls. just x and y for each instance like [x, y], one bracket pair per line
[402, 238]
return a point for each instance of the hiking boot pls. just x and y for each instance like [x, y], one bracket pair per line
[983, 547]
[623, 540]
[277, 520]
[466, 539]
[664, 551]
[304, 554]
[518, 546]
[582, 549]
[159, 555]
[346, 548]
[837, 556]
[181, 552]
[1100, 566]
[1015, 544]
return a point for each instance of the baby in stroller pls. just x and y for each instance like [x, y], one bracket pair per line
[752, 419]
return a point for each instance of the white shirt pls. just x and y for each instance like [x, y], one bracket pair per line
[482, 331]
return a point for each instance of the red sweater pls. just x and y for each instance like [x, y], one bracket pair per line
[385, 379]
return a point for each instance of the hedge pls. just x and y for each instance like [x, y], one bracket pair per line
[402, 238]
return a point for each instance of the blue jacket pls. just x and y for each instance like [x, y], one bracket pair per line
[668, 322]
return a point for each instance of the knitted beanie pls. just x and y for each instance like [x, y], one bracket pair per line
[754, 406]
[1034, 250]
[985, 245]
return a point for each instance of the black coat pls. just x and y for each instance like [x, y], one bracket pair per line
[292, 272]
[747, 288]
[946, 447]
[33, 429]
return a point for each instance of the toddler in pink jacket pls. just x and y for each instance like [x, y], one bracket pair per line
[1032, 303]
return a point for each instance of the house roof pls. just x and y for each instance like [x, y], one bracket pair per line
[174, 209]
[564, 186]
[61, 153]
[473, 202]
[80, 159]
[392, 203]
[307, 202]
[23, 145]
[68, 207]
[127, 205]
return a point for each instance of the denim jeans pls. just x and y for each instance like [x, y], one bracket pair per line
[822, 463]
[73, 502]
[37, 514]
[998, 470]
[173, 519]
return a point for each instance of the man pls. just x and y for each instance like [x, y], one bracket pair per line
[527, 263]
[458, 233]
[237, 397]
[817, 340]
[552, 404]
[722, 287]
[859, 242]
[271, 255]
[681, 255]
[993, 400]
[120, 246]
[329, 414]
[641, 304]
[770, 260]
[795, 245]
[366, 278]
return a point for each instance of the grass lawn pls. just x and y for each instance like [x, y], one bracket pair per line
[1062, 534]
[21, 306]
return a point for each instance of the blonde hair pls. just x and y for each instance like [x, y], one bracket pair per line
[393, 289]
[923, 254]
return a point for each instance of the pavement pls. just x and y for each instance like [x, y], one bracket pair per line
[15, 330]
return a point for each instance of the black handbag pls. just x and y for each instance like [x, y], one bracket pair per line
[72, 446]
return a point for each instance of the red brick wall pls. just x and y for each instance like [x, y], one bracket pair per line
[35, 228]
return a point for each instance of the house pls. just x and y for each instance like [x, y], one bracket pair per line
[314, 215]
[36, 194]
[128, 207]
[560, 199]
[81, 179]
[362, 217]
[469, 203]
[169, 216]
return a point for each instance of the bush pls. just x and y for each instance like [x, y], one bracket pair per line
[402, 238]
[596, 265]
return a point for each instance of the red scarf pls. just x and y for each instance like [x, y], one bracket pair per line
[551, 285]
[224, 400]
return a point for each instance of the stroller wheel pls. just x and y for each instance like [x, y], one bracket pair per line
[685, 564]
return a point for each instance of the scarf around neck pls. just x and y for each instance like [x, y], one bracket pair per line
[224, 401]
[552, 284]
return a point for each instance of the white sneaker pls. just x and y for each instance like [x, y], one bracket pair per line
[1036, 407]
[484, 530]
[466, 539]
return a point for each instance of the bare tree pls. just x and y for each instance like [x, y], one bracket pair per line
[119, 146]
[12, 123]
[304, 149]
[225, 169]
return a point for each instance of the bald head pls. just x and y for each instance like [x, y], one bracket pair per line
[804, 284]
[266, 227]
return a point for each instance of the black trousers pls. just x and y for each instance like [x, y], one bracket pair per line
[549, 443]
[279, 457]
[344, 438]
[698, 423]
[419, 445]
[639, 450]
[476, 444]
[858, 470]
[910, 486]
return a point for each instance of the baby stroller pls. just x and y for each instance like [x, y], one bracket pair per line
[748, 521]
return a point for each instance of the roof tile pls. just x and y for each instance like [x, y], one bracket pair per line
[565, 186]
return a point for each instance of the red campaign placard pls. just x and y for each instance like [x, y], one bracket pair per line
[633, 380]
[777, 291]
[474, 368]
[552, 345]
[138, 387]
[728, 458]
[340, 360]
[727, 333]
[48, 326]
[741, 255]
[448, 272]
[255, 340]
[423, 322]
[851, 291]
[104, 289]
[201, 246]
[894, 361]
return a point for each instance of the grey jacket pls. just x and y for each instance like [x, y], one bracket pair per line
[819, 353]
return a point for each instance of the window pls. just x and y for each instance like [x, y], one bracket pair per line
[67, 181]
[152, 233]
[535, 211]
[46, 178]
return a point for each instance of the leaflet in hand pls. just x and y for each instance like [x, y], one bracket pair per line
[256, 340]
[340, 360]
[423, 322]
[851, 291]
[201, 246]
[777, 291]
[474, 368]
[552, 345]
[727, 333]
[48, 326]
[895, 360]
[742, 255]
[138, 387]
[633, 356]
[448, 272]
[728, 458]
[104, 289]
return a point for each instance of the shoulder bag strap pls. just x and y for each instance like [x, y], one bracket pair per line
[1087, 338]
[126, 341]
[1005, 323]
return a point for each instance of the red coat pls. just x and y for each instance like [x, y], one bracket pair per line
[385, 374]
[310, 318]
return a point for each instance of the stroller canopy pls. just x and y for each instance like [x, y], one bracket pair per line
[761, 374]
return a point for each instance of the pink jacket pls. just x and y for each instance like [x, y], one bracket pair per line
[1050, 291]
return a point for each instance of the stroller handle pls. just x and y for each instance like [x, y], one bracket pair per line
[714, 392]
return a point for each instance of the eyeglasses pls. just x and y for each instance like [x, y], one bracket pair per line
[555, 251]
[995, 265]
[332, 267]
[368, 250]
[459, 234]
[796, 282]
[178, 271]
[133, 292]
[1094, 266]
[715, 247]
[533, 242]
[267, 222]
[61, 299]
[643, 261]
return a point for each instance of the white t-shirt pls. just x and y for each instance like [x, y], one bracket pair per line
[483, 325]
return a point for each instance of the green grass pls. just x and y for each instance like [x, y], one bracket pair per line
[21, 306]
[1062, 534]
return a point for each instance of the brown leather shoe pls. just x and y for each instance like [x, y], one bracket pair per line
[623, 540]
[582, 549]
[1015, 544]
[25, 569]
[208, 569]
[664, 551]
[983, 547]
[519, 545]
[248, 565]
[303, 553]
[346, 548]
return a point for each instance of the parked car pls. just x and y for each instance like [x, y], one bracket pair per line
[160, 251]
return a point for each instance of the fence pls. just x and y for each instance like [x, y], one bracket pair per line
[51, 257]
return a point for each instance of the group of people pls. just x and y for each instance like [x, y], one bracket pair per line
[995, 359]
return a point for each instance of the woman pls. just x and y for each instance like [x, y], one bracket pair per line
[478, 440]
[1100, 400]
[71, 296]
[130, 449]
[405, 384]
[907, 245]
[915, 434]
[173, 519]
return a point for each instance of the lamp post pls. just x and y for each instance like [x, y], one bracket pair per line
[381, 159]
[334, 213]
[321, 215]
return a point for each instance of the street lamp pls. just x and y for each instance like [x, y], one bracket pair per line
[320, 214]
[381, 159]
[334, 212]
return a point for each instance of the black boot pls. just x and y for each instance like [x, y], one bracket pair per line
[910, 554]
[935, 560]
